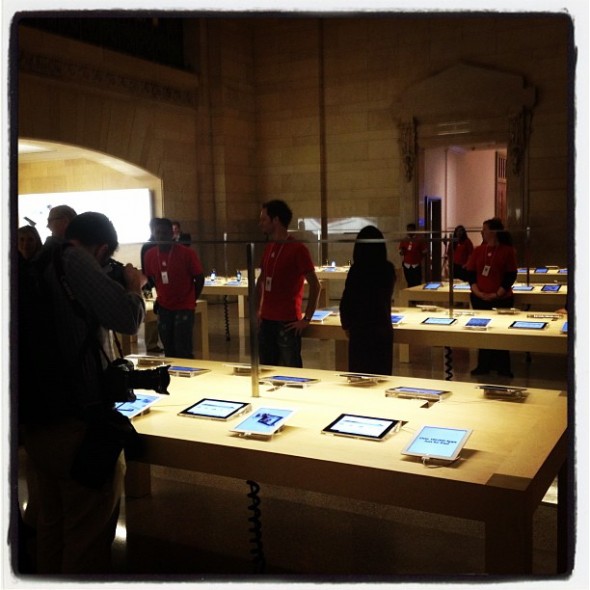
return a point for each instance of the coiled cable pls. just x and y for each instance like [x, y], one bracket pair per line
[448, 363]
[256, 528]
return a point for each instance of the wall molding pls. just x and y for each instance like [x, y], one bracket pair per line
[105, 80]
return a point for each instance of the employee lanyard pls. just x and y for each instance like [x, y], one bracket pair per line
[274, 258]
[487, 267]
[164, 265]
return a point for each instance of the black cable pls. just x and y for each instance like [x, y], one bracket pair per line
[448, 363]
[256, 528]
[226, 317]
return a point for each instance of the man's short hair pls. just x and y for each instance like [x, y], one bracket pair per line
[93, 229]
[164, 221]
[280, 209]
[63, 211]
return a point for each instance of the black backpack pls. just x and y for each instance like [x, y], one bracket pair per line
[44, 377]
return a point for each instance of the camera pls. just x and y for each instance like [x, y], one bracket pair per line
[120, 378]
[114, 270]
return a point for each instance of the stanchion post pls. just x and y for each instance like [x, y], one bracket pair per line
[253, 312]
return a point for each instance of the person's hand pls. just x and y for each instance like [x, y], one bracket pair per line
[134, 278]
[298, 326]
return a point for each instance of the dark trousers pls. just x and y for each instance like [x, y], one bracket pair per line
[279, 346]
[176, 332]
[371, 351]
[489, 359]
[413, 275]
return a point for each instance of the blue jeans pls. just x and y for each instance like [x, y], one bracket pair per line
[176, 332]
[279, 346]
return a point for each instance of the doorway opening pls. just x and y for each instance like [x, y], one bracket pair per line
[459, 185]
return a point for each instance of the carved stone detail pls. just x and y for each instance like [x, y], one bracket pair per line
[407, 143]
[519, 130]
[50, 67]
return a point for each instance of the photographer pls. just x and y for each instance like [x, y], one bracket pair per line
[62, 396]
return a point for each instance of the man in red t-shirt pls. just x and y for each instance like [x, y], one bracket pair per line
[412, 249]
[285, 265]
[178, 276]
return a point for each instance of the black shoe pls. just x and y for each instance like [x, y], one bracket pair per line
[480, 371]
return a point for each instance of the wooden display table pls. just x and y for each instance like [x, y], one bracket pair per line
[412, 331]
[536, 299]
[513, 455]
[535, 275]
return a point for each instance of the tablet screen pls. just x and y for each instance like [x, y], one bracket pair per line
[528, 325]
[437, 443]
[478, 322]
[417, 393]
[551, 288]
[263, 422]
[361, 426]
[182, 371]
[137, 407]
[564, 328]
[439, 321]
[396, 319]
[541, 270]
[286, 380]
[522, 287]
[319, 315]
[462, 287]
[432, 286]
[562, 271]
[215, 408]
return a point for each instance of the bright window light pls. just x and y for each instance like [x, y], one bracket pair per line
[130, 210]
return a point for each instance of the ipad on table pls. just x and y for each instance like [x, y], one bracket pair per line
[523, 288]
[432, 286]
[142, 404]
[263, 422]
[528, 325]
[290, 381]
[182, 371]
[418, 393]
[396, 319]
[439, 321]
[504, 392]
[564, 328]
[462, 287]
[362, 378]
[478, 323]
[550, 288]
[437, 442]
[320, 315]
[215, 409]
[562, 271]
[541, 270]
[365, 427]
[246, 368]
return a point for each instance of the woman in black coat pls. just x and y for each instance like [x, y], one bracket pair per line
[365, 307]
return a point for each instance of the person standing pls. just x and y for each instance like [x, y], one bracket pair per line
[365, 307]
[180, 236]
[491, 272]
[177, 273]
[285, 265]
[152, 343]
[62, 396]
[29, 242]
[58, 220]
[412, 249]
[462, 249]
